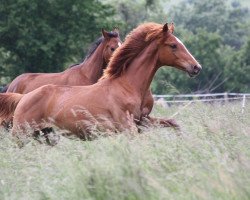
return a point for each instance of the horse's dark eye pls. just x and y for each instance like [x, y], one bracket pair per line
[173, 46]
[112, 49]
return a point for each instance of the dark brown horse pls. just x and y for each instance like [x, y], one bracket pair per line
[116, 102]
[86, 73]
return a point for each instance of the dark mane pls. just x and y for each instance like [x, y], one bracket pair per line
[98, 42]
[134, 43]
[95, 45]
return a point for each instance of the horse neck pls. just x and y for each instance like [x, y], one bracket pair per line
[92, 67]
[142, 69]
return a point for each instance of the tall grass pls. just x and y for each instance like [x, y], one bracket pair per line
[208, 159]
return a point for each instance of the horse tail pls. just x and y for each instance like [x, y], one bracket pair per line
[8, 104]
[4, 89]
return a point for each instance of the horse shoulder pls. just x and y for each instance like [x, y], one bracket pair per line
[121, 103]
[122, 109]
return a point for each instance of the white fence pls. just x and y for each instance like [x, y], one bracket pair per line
[189, 98]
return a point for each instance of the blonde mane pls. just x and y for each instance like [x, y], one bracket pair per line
[134, 43]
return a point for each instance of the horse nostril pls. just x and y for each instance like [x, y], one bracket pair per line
[196, 69]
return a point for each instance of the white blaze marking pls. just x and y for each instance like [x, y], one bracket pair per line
[119, 44]
[185, 48]
[179, 40]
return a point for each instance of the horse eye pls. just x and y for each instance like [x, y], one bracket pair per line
[173, 46]
[112, 49]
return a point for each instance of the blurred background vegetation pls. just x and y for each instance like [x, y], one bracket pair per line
[50, 35]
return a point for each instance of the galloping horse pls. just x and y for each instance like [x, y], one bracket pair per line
[115, 99]
[86, 73]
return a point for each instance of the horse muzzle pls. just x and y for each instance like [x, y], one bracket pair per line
[195, 70]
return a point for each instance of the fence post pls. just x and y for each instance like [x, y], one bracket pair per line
[226, 97]
[243, 104]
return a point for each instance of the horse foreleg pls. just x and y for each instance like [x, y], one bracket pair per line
[154, 121]
[6, 124]
[131, 122]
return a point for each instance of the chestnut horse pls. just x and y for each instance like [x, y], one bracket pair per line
[116, 102]
[86, 73]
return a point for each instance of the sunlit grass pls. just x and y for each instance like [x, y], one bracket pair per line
[208, 159]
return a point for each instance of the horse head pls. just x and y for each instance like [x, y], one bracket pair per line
[172, 52]
[111, 42]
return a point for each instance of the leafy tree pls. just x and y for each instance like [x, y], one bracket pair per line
[228, 20]
[238, 70]
[131, 13]
[215, 32]
[48, 35]
[45, 35]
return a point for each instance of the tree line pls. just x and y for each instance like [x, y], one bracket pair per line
[50, 35]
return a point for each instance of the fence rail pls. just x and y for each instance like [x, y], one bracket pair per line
[167, 100]
[201, 95]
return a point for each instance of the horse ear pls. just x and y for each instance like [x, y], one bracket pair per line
[171, 28]
[105, 34]
[165, 27]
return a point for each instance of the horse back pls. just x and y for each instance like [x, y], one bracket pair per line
[30, 81]
[19, 84]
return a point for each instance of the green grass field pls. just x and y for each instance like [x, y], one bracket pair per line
[208, 159]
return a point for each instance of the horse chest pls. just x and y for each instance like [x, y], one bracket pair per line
[133, 106]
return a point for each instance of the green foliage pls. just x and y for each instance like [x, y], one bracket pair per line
[47, 36]
[132, 13]
[44, 35]
[215, 16]
[215, 33]
[238, 70]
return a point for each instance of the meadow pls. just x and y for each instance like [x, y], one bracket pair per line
[208, 159]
